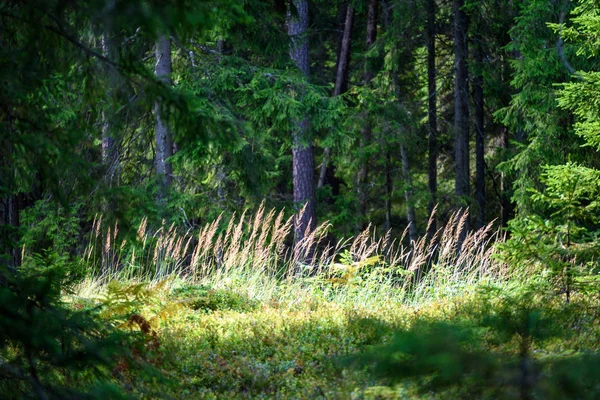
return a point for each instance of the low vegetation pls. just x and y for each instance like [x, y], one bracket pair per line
[229, 311]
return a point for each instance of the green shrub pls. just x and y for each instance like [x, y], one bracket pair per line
[203, 298]
[48, 350]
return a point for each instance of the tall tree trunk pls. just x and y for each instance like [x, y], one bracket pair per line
[11, 202]
[408, 196]
[341, 78]
[388, 191]
[110, 155]
[406, 176]
[164, 143]
[506, 207]
[303, 161]
[479, 136]
[432, 114]
[461, 110]
[362, 178]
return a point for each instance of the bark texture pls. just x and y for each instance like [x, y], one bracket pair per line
[164, 143]
[303, 153]
[461, 110]
[409, 196]
[110, 154]
[432, 114]
[479, 137]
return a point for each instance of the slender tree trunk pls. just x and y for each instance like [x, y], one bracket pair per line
[371, 36]
[506, 207]
[110, 156]
[303, 161]
[406, 176]
[461, 110]
[388, 191]
[479, 137]
[164, 144]
[341, 78]
[432, 113]
[363, 172]
[10, 203]
[221, 173]
[408, 195]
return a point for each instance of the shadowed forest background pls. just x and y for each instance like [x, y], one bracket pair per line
[359, 199]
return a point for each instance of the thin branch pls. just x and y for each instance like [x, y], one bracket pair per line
[560, 42]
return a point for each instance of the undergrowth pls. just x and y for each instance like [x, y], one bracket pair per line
[230, 311]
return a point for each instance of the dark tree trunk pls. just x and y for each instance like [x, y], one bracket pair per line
[341, 78]
[432, 114]
[164, 143]
[363, 172]
[9, 225]
[388, 191]
[406, 176]
[303, 162]
[10, 204]
[110, 154]
[342, 13]
[408, 196]
[461, 111]
[506, 207]
[479, 137]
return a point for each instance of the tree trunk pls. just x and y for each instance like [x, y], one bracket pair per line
[432, 114]
[388, 191]
[341, 78]
[479, 137]
[164, 144]
[506, 207]
[461, 111]
[408, 195]
[10, 204]
[408, 187]
[110, 156]
[303, 162]
[363, 172]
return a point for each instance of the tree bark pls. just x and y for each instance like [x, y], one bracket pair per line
[479, 137]
[341, 78]
[461, 111]
[408, 196]
[363, 172]
[164, 143]
[303, 162]
[406, 176]
[388, 191]
[110, 155]
[432, 114]
[506, 206]
[10, 204]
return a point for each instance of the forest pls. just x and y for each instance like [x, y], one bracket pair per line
[300, 199]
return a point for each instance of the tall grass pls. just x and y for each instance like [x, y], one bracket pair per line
[256, 254]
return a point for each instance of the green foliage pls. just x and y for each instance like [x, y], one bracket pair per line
[564, 244]
[488, 350]
[539, 128]
[205, 299]
[561, 233]
[48, 350]
[48, 227]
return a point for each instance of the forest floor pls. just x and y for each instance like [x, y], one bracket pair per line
[486, 341]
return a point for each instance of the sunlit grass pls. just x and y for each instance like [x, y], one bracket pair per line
[238, 315]
[254, 255]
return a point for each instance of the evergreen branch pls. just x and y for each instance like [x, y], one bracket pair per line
[560, 42]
